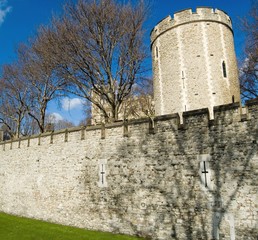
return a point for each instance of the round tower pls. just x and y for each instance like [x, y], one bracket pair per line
[194, 61]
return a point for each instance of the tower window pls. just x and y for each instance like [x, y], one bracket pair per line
[157, 52]
[224, 69]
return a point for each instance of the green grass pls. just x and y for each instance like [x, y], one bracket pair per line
[18, 228]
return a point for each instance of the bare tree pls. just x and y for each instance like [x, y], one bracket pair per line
[140, 101]
[40, 72]
[249, 70]
[57, 123]
[87, 114]
[14, 96]
[98, 46]
[29, 126]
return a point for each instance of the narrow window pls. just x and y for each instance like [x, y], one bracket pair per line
[157, 52]
[183, 75]
[102, 173]
[205, 174]
[233, 99]
[224, 69]
[183, 78]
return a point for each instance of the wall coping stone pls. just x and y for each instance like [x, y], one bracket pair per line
[251, 102]
[196, 112]
[147, 120]
[227, 107]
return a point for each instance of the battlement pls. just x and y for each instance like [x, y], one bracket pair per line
[223, 114]
[188, 16]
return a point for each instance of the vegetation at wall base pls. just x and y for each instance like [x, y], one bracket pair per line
[13, 228]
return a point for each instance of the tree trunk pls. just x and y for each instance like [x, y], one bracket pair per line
[18, 128]
[42, 117]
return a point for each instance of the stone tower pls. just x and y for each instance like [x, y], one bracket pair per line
[194, 61]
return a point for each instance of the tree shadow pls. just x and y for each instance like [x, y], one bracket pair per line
[161, 194]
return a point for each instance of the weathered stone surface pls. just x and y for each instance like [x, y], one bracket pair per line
[152, 184]
[194, 62]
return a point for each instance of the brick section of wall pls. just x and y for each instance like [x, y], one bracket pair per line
[141, 180]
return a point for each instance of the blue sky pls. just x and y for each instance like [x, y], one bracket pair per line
[19, 20]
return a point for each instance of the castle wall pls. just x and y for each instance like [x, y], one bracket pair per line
[196, 180]
[188, 52]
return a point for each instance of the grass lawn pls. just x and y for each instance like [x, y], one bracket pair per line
[17, 228]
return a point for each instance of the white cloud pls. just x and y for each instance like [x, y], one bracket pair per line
[54, 117]
[243, 65]
[71, 103]
[3, 10]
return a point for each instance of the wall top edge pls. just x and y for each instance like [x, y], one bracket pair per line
[226, 107]
[166, 117]
[252, 102]
[188, 15]
[196, 112]
[173, 117]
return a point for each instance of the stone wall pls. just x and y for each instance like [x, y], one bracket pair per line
[196, 180]
[194, 62]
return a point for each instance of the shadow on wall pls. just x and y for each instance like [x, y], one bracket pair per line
[192, 181]
[175, 197]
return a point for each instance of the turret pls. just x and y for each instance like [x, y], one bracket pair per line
[194, 61]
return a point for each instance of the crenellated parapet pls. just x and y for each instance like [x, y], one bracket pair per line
[188, 16]
[223, 115]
